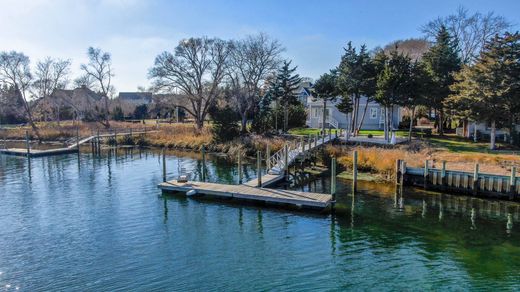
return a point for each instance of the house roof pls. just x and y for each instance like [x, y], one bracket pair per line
[136, 96]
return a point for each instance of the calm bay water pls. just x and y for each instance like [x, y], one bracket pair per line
[100, 224]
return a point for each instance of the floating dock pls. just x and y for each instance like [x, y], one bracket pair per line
[250, 193]
[37, 153]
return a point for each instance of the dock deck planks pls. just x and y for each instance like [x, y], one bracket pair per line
[36, 152]
[247, 192]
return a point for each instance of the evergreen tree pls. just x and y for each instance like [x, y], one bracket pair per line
[326, 90]
[418, 85]
[490, 89]
[356, 78]
[284, 91]
[392, 83]
[442, 61]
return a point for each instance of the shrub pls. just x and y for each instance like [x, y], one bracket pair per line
[225, 123]
[370, 136]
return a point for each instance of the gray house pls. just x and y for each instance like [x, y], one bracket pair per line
[374, 118]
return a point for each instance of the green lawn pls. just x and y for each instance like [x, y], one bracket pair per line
[450, 143]
[307, 131]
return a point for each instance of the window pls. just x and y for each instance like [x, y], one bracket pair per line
[373, 113]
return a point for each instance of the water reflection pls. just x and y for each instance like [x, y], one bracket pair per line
[112, 208]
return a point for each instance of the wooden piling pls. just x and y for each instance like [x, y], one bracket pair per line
[77, 138]
[27, 144]
[286, 161]
[115, 137]
[443, 173]
[98, 140]
[333, 178]
[239, 167]
[164, 165]
[512, 183]
[310, 141]
[315, 140]
[259, 168]
[354, 169]
[397, 171]
[426, 172]
[302, 142]
[475, 179]
[203, 162]
[403, 172]
[267, 157]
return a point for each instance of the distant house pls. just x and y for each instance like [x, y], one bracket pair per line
[304, 91]
[483, 129]
[374, 118]
[136, 98]
[81, 100]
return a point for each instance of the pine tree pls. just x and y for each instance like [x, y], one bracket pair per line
[490, 89]
[442, 61]
[417, 87]
[284, 91]
[325, 89]
[356, 78]
[393, 83]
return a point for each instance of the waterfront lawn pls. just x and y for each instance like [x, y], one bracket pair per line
[307, 131]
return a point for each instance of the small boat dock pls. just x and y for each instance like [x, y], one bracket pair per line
[251, 193]
[256, 189]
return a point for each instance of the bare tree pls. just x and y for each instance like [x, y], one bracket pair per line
[413, 47]
[15, 72]
[472, 31]
[254, 59]
[51, 74]
[98, 73]
[195, 70]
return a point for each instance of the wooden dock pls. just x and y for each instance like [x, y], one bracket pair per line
[250, 193]
[37, 153]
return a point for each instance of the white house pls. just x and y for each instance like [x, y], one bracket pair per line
[374, 118]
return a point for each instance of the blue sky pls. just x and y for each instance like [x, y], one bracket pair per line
[135, 31]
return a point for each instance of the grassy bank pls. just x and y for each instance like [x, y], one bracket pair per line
[180, 136]
[381, 161]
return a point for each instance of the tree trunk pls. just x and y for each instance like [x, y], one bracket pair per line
[276, 116]
[440, 122]
[355, 116]
[475, 131]
[411, 124]
[386, 124]
[243, 124]
[362, 117]
[324, 118]
[493, 135]
[285, 118]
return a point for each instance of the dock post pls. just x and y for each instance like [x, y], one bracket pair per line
[310, 142]
[397, 171]
[286, 161]
[163, 165]
[27, 144]
[475, 179]
[98, 143]
[77, 137]
[239, 167]
[354, 169]
[203, 162]
[259, 168]
[426, 172]
[512, 183]
[333, 179]
[302, 142]
[315, 140]
[268, 157]
[403, 172]
[443, 173]
[115, 138]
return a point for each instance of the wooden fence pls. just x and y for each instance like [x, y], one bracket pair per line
[475, 183]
